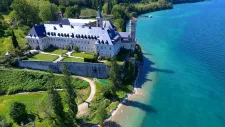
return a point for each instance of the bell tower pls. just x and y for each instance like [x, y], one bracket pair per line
[99, 19]
[133, 22]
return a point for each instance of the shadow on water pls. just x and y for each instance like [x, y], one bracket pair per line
[147, 54]
[161, 70]
[146, 69]
[142, 106]
[111, 124]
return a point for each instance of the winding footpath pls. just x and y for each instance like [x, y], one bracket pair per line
[82, 108]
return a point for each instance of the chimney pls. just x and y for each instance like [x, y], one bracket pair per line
[60, 24]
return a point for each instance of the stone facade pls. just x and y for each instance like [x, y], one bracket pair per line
[103, 38]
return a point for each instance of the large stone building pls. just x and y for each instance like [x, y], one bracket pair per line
[98, 35]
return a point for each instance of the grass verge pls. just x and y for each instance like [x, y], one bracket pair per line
[70, 59]
[43, 57]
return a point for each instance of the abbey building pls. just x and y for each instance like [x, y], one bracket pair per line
[99, 35]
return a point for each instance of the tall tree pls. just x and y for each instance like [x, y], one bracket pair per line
[68, 13]
[48, 11]
[114, 74]
[71, 12]
[70, 93]
[4, 5]
[14, 40]
[26, 12]
[55, 99]
[17, 112]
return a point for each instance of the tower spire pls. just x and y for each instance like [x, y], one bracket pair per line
[99, 18]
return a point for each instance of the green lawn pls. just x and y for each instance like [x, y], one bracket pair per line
[31, 100]
[57, 51]
[120, 63]
[44, 57]
[69, 59]
[83, 55]
[30, 80]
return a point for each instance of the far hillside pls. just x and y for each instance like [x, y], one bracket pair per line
[12, 17]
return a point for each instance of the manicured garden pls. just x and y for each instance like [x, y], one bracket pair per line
[70, 59]
[43, 57]
[84, 55]
[56, 51]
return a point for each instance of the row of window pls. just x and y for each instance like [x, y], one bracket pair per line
[80, 47]
[67, 40]
[32, 41]
[102, 47]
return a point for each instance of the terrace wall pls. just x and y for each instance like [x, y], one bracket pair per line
[95, 70]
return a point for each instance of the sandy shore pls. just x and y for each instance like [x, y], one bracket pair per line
[122, 110]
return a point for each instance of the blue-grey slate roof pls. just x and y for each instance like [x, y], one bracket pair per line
[38, 30]
[64, 21]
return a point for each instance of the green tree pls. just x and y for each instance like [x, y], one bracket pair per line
[76, 11]
[4, 5]
[71, 12]
[70, 93]
[120, 24]
[114, 74]
[55, 99]
[25, 12]
[62, 8]
[76, 49]
[17, 112]
[105, 8]
[68, 13]
[101, 114]
[4, 122]
[48, 11]
[14, 40]
[129, 75]
[63, 2]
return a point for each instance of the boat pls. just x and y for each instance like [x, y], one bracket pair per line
[150, 16]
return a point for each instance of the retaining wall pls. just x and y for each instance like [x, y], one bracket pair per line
[95, 70]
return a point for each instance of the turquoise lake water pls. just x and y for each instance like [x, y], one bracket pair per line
[188, 46]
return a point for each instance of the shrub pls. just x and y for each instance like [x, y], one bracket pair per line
[17, 112]
[4, 122]
[107, 58]
[76, 49]
[90, 60]
[101, 114]
[68, 47]
[8, 33]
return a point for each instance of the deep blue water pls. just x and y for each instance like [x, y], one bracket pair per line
[188, 46]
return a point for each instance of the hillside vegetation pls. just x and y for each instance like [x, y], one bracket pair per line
[15, 80]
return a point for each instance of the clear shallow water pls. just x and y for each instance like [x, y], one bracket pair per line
[188, 46]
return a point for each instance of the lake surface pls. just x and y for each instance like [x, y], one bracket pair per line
[187, 44]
